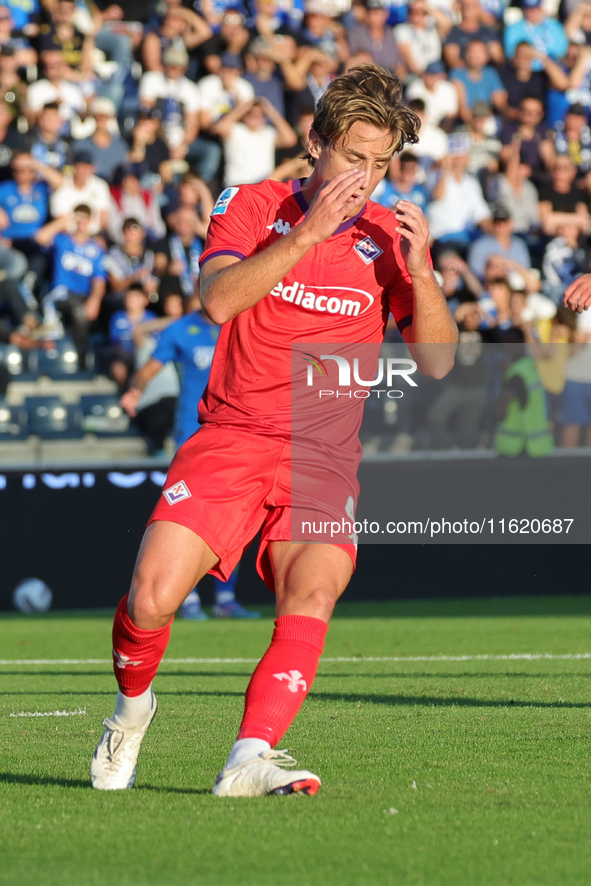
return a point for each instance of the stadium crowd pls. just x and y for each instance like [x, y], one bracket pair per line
[121, 125]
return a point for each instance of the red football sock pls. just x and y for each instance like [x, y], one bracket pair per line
[283, 677]
[136, 653]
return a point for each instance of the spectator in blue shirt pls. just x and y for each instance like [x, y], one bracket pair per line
[24, 208]
[47, 145]
[546, 34]
[79, 276]
[122, 327]
[401, 183]
[478, 81]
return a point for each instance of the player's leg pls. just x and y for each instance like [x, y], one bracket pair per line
[172, 559]
[309, 579]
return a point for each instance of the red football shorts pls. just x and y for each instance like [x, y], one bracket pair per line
[226, 484]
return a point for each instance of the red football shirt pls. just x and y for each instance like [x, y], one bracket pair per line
[342, 291]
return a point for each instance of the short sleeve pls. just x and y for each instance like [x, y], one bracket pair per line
[166, 350]
[237, 224]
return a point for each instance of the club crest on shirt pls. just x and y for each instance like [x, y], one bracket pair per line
[176, 493]
[368, 250]
[223, 201]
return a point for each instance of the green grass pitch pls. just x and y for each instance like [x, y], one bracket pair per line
[449, 763]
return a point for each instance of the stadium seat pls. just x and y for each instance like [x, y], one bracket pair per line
[60, 363]
[21, 365]
[52, 419]
[103, 416]
[13, 422]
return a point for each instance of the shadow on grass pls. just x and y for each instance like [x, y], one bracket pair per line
[47, 781]
[371, 698]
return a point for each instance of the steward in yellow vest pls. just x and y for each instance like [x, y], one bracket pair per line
[524, 429]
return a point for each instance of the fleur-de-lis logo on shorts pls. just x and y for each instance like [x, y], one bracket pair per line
[295, 681]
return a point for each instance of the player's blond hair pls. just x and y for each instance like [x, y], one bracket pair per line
[370, 94]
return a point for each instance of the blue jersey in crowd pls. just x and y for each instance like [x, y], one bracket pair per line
[122, 328]
[76, 264]
[190, 343]
[388, 195]
[26, 212]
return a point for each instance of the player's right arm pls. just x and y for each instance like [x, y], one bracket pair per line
[229, 285]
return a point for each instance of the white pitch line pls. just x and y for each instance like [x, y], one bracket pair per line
[521, 656]
[78, 713]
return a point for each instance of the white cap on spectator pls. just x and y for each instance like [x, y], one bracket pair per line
[174, 55]
[323, 7]
[103, 105]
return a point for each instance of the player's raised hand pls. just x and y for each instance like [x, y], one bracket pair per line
[414, 233]
[335, 201]
[578, 295]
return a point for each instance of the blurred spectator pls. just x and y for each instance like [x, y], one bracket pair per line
[78, 284]
[458, 282]
[578, 24]
[458, 207]
[83, 187]
[250, 141]
[572, 136]
[486, 147]
[373, 35]
[576, 399]
[131, 262]
[294, 165]
[60, 33]
[501, 241]
[521, 81]
[542, 31]
[47, 145]
[470, 28]
[13, 86]
[180, 102]
[322, 29]
[439, 95]
[523, 427]
[270, 71]
[455, 417]
[180, 28]
[156, 408]
[231, 38]
[23, 52]
[419, 40]
[319, 65]
[55, 87]
[529, 133]
[433, 145]
[579, 83]
[402, 183]
[177, 255]
[478, 81]
[498, 319]
[562, 203]
[129, 199]
[513, 189]
[106, 150]
[120, 354]
[11, 140]
[116, 39]
[149, 152]
[194, 194]
[566, 257]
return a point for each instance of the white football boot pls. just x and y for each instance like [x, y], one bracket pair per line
[264, 775]
[114, 765]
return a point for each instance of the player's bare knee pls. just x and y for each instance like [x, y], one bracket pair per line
[149, 606]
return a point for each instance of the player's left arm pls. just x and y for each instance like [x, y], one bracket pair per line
[432, 322]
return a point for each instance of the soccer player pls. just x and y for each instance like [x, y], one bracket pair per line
[232, 477]
[189, 343]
